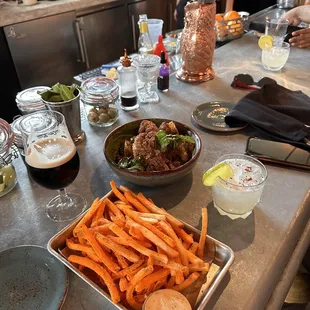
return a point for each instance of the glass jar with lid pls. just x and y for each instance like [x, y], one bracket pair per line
[7, 171]
[18, 139]
[99, 96]
[29, 100]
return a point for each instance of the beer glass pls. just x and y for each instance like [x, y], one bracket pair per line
[52, 161]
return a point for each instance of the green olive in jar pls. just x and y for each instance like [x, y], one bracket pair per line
[102, 110]
[93, 110]
[103, 118]
[112, 113]
[92, 117]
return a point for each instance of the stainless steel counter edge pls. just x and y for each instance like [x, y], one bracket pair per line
[298, 226]
[11, 13]
[288, 275]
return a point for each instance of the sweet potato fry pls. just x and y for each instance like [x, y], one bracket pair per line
[119, 249]
[135, 244]
[119, 222]
[102, 229]
[140, 298]
[153, 208]
[150, 227]
[105, 259]
[170, 232]
[136, 233]
[129, 270]
[160, 283]
[124, 242]
[99, 212]
[136, 279]
[113, 290]
[123, 284]
[135, 202]
[114, 209]
[150, 215]
[202, 240]
[189, 281]
[122, 261]
[181, 233]
[100, 222]
[151, 279]
[93, 256]
[149, 290]
[179, 277]
[186, 245]
[150, 260]
[204, 268]
[171, 282]
[117, 193]
[78, 247]
[194, 247]
[194, 259]
[153, 238]
[126, 189]
[149, 220]
[86, 219]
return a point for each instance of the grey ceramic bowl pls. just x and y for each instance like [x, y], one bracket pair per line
[145, 178]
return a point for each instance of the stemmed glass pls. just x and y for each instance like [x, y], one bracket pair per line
[147, 70]
[52, 161]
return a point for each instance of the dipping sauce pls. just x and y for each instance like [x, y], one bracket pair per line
[166, 300]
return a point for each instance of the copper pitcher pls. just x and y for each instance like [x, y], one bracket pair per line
[198, 42]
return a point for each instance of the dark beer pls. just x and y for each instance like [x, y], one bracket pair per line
[53, 162]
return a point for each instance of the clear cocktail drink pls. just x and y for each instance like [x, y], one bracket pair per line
[237, 196]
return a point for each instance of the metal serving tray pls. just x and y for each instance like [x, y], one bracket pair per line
[218, 253]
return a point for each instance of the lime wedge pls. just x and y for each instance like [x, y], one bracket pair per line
[265, 42]
[222, 170]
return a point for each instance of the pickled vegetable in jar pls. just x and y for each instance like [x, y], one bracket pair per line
[8, 178]
[99, 96]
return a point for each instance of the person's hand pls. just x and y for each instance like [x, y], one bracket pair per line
[175, 15]
[301, 38]
[297, 15]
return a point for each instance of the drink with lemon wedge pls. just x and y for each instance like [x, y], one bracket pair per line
[274, 55]
[237, 184]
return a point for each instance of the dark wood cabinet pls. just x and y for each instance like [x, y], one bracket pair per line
[105, 35]
[153, 9]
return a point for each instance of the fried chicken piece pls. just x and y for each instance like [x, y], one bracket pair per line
[147, 126]
[127, 148]
[157, 163]
[169, 128]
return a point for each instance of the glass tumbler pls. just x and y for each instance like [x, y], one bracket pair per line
[237, 196]
[275, 58]
[276, 29]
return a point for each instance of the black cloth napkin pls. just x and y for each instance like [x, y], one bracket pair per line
[279, 112]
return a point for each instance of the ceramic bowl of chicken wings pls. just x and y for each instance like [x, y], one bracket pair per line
[152, 152]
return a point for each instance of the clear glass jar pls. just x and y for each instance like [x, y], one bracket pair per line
[7, 171]
[99, 96]
[29, 101]
[18, 139]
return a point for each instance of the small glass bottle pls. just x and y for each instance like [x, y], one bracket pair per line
[145, 44]
[127, 75]
[164, 72]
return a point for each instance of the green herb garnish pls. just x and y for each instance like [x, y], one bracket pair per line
[131, 164]
[165, 140]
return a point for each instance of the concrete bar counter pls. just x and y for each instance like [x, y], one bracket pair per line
[263, 243]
